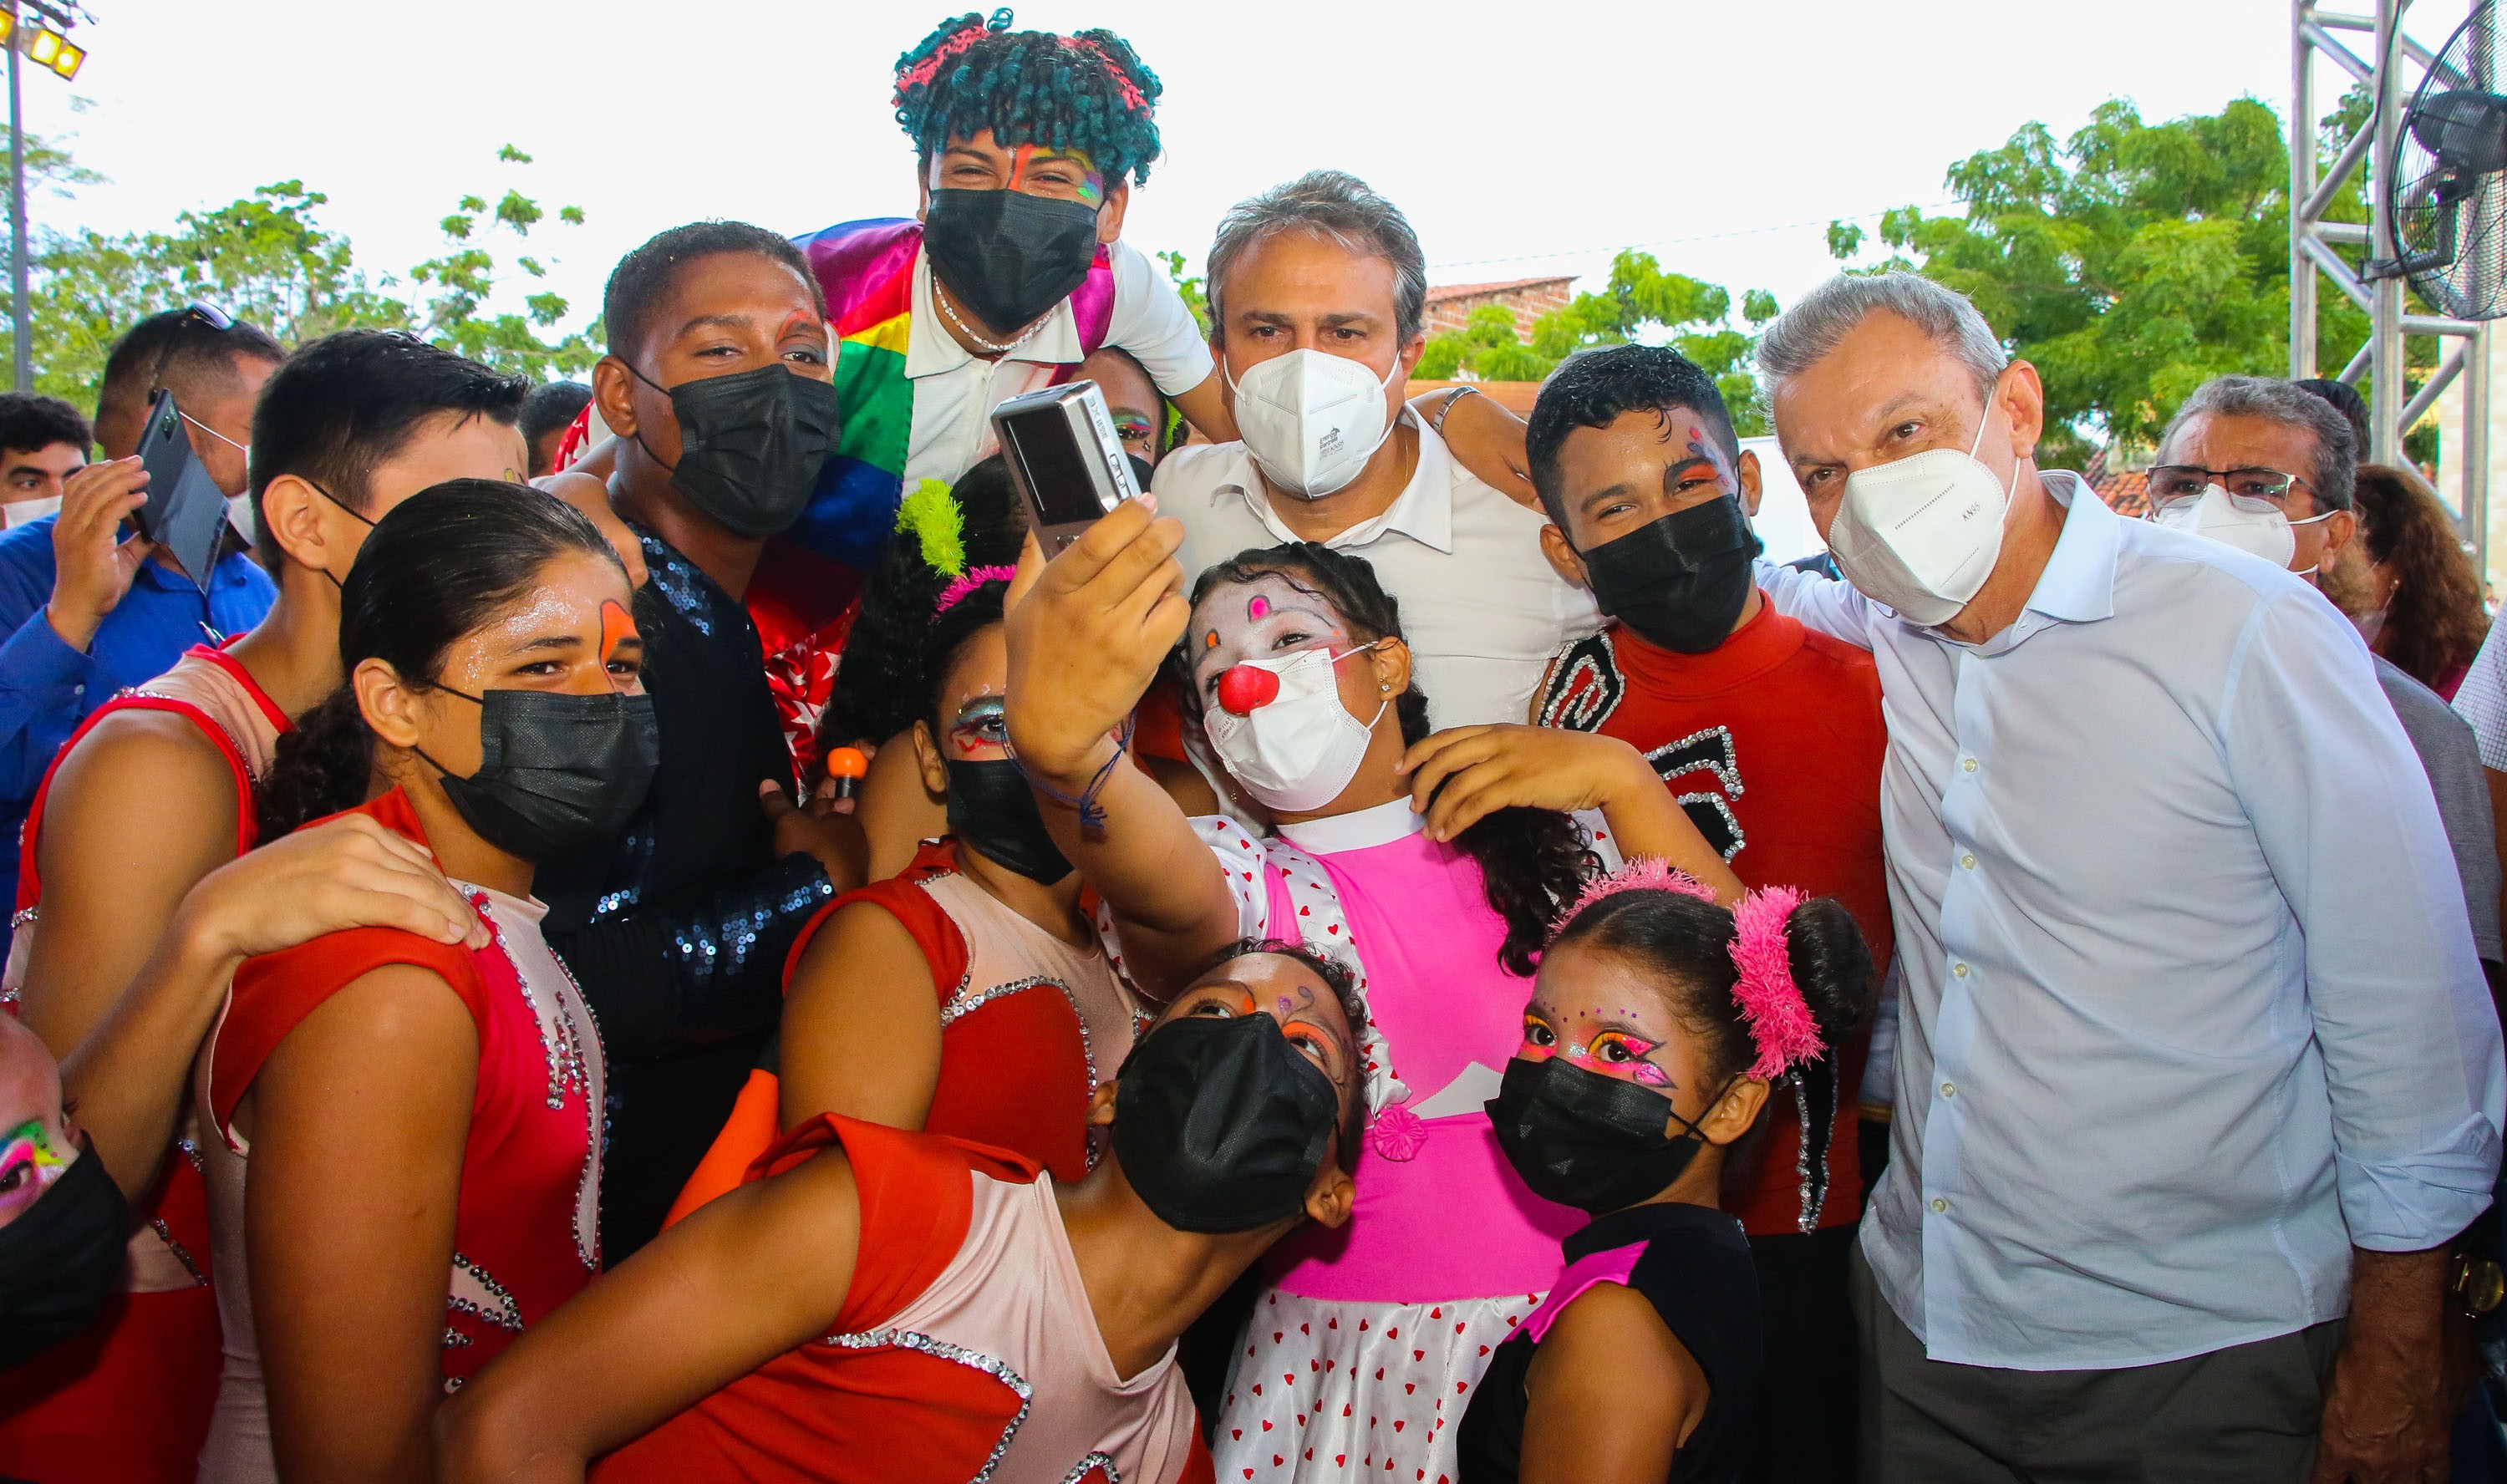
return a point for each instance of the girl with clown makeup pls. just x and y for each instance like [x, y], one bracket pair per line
[1432, 865]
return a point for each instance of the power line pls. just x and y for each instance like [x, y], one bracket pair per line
[1706, 237]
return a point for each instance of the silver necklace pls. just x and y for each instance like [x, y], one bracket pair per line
[940, 297]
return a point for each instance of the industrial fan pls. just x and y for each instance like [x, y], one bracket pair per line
[2447, 190]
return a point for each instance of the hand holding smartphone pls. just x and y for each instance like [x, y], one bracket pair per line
[186, 510]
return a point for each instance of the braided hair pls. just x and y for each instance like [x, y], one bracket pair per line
[1087, 92]
[1533, 861]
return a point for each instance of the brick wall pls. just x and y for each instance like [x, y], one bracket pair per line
[1450, 307]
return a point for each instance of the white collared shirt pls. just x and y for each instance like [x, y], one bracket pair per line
[955, 394]
[2190, 1006]
[1480, 607]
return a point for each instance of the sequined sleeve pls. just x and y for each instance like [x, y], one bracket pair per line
[696, 968]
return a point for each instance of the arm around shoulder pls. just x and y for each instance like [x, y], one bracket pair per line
[750, 1275]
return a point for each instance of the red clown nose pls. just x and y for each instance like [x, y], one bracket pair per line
[1247, 686]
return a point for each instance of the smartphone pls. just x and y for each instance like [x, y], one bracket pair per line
[1065, 459]
[186, 512]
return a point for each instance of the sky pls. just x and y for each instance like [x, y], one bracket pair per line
[1521, 142]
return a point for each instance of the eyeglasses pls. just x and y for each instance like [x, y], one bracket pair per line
[2184, 482]
[206, 316]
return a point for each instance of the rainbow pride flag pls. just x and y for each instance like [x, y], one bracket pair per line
[801, 597]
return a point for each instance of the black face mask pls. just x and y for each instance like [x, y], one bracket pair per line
[1587, 1140]
[1007, 255]
[992, 812]
[556, 774]
[1220, 1124]
[1678, 582]
[750, 445]
[60, 1260]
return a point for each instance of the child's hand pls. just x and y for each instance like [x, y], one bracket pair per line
[1087, 632]
[1461, 775]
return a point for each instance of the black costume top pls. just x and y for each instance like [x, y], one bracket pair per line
[677, 933]
[1692, 1264]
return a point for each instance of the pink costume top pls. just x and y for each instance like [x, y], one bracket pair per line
[1365, 1349]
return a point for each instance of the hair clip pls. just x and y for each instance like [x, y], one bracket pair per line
[966, 586]
[1780, 1019]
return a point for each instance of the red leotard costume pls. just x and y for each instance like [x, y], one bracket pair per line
[1029, 1027]
[965, 1348]
[127, 1402]
[525, 1228]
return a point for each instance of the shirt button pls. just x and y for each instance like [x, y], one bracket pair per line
[1940, 1204]
[1959, 969]
[1949, 1089]
[1967, 862]
[78, 690]
[1968, 763]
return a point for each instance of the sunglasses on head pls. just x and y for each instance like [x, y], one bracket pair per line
[209, 316]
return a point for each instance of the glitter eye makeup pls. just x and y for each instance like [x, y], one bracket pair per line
[28, 1162]
[1618, 1055]
[1091, 189]
[979, 726]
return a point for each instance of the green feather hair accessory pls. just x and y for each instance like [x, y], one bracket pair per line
[932, 515]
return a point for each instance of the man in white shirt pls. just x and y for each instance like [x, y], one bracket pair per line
[2194, 1056]
[1317, 289]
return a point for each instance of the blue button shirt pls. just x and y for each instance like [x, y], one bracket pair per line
[2191, 1005]
[47, 688]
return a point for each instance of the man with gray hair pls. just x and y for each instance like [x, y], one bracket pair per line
[2269, 467]
[1316, 293]
[2198, 1075]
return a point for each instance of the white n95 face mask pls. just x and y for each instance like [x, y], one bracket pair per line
[2254, 526]
[1921, 534]
[18, 511]
[1296, 750]
[1312, 420]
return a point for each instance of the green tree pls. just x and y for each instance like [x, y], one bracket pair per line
[1191, 289]
[268, 260]
[466, 273]
[1641, 301]
[2132, 262]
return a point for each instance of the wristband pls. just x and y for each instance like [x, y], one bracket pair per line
[1438, 422]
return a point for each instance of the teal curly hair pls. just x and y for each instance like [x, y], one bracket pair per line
[1087, 92]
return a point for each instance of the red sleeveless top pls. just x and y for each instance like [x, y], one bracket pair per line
[1029, 1027]
[907, 1388]
[522, 1234]
[130, 1401]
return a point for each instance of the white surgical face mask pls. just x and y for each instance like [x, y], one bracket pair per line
[18, 511]
[2255, 527]
[239, 516]
[1921, 534]
[1312, 420]
[1299, 749]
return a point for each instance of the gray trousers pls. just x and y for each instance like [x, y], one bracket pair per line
[2245, 1414]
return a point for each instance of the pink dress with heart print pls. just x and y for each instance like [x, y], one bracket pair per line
[1364, 1352]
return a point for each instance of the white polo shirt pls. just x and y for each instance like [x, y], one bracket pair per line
[1480, 607]
[955, 394]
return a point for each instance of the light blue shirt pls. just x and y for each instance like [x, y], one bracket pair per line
[2189, 1006]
